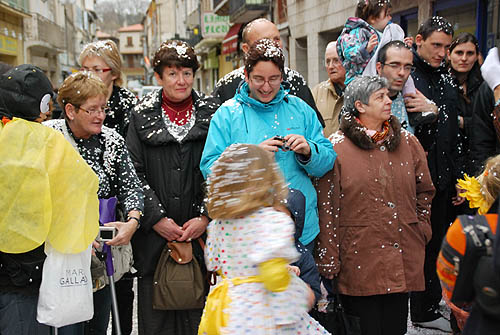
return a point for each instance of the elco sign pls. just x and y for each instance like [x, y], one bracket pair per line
[214, 25]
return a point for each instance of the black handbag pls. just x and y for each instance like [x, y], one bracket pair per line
[336, 320]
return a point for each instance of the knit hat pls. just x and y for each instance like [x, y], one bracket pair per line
[26, 92]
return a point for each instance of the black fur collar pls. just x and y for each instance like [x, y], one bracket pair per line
[353, 130]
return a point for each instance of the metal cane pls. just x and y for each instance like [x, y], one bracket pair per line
[110, 270]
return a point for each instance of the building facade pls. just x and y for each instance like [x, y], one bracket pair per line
[12, 14]
[132, 50]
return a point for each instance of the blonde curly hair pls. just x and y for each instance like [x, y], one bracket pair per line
[490, 179]
[244, 179]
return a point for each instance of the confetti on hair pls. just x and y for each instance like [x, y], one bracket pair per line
[181, 48]
[270, 48]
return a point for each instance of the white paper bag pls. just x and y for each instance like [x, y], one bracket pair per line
[66, 290]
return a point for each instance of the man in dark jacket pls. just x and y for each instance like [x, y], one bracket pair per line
[437, 131]
[226, 88]
[482, 319]
[484, 143]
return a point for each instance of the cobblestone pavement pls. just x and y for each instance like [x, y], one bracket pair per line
[411, 330]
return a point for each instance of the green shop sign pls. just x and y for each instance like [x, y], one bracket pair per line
[214, 25]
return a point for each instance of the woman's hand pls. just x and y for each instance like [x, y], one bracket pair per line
[271, 145]
[194, 228]
[417, 102]
[372, 43]
[298, 144]
[125, 231]
[458, 199]
[168, 229]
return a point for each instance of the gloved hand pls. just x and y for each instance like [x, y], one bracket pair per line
[491, 68]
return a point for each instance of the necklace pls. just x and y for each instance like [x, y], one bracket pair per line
[176, 111]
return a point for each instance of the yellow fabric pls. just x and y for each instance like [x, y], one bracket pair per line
[218, 300]
[472, 193]
[48, 192]
[273, 274]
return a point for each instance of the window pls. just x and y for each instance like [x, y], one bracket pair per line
[129, 41]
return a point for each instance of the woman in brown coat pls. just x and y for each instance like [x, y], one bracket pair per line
[374, 210]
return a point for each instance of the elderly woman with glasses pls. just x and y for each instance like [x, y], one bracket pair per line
[374, 211]
[263, 113]
[104, 60]
[83, 99]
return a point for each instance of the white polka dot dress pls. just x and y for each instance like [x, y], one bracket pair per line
[235, 248]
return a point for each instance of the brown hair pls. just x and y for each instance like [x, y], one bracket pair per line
[464, 37]
[244, 179]
[265, 50]
[174, 53]
[108, 51]
[366, 9]
[433, 24]
[79, 87]
[490, 179]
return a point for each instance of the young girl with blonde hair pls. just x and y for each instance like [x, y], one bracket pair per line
[250, 243]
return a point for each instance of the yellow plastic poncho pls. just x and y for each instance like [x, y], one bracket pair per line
[47, 191]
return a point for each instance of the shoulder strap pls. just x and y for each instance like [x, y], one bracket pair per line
[477, 229]
[202, 243]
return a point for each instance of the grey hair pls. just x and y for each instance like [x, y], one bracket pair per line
[360, 89]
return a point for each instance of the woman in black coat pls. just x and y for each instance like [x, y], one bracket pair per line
[166, 138]
[465, 70]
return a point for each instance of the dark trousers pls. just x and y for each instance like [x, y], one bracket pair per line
[18, 315]
[423, 305]
[157, 322]
[125, 302]
[384, 314]
[102, 309]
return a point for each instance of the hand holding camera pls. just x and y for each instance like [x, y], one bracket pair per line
[117, 233]
[291, 142]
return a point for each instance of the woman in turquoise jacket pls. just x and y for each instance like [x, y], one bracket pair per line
[263, 113]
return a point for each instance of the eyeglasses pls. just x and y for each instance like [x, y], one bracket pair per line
[104, 110]
[96, 70]
[398, 67]
[273, 81]
[332, 61]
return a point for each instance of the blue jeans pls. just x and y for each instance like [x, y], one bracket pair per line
[18, 315]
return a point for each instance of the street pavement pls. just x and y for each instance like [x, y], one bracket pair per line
[411, 330]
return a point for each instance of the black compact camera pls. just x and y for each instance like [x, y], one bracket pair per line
[106, 233]
[284, 146]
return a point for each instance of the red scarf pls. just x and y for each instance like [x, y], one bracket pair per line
[178, 112]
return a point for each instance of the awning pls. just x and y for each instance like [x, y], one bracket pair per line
[230, 42]
[205, 45]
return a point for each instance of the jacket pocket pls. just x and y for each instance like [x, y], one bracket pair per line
[23, 269]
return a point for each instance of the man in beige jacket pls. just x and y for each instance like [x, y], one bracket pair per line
[328, 94]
